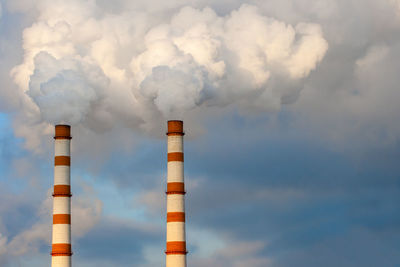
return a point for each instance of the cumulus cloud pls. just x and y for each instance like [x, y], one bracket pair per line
[235, 254]
[28, 241]
[362, 109]
[155, 61]
[81, 61]
[86, 212]
[214, 249]
[396, 4]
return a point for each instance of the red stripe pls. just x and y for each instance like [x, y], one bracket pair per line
[61, 219]
[175, 156]
[176, 188]
[176, 248]
[62, 191]
[61, 250]
[62, 161]
[175, 217]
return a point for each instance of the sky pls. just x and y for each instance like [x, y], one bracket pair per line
[291, 113]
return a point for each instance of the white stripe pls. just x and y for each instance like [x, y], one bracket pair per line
[61, 234]
[175, 171]
[175, 203]
[176, 260]
[175, 144]
[62, 205]
[62, 147]
[61, 261]
[62, 175]
[175, 231]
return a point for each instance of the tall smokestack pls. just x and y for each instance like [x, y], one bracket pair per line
[61, 241]
[176, 238]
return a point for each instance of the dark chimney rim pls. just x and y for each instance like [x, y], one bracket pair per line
[175, 121]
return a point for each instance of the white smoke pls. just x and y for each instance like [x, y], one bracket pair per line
[65, 88]
[396, 4]
[83, 63]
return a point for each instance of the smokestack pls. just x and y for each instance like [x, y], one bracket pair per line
[176, 239]
[61, 241]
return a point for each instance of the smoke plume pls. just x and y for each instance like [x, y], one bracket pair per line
[84, 64]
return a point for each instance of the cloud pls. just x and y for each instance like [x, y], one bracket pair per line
[361, 111]
[27, 240]
[151, 62]
[396, 4]
[123, 67]
[84, 66]
[211, 248]
[65, 90]
[235, 254]
[118, 242]
[32, 238]
[87, 210]
[357, 246]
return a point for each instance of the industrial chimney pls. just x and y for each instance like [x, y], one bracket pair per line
[176, 238]
[61, 241]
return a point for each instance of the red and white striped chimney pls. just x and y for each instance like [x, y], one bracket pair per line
[61, 241]
[176, 237]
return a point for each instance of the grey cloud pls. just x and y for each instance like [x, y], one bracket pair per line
[25, 227]
[297, 200]
[94, 78]
[323, 98]
[118, 242]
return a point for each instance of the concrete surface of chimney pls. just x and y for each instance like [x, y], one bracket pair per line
[176, 237]
[61, 240]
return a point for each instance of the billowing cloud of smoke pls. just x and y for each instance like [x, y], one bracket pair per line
[83, 64]
[396, 4]
[64, 88]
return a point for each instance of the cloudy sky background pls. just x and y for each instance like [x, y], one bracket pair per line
[291, 113]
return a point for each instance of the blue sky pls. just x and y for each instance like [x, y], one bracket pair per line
[289, 163]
